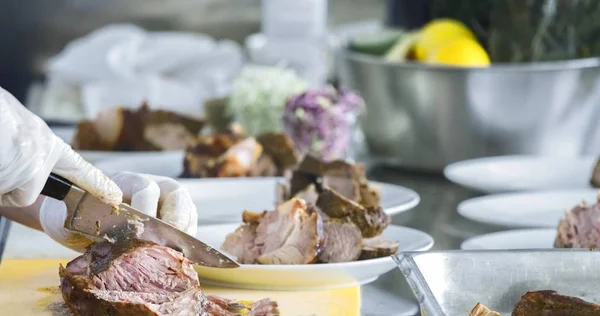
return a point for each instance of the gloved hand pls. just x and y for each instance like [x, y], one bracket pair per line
[29, 151]
[155, 196]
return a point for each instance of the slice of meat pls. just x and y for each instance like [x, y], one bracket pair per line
[292, 234]
[343, 241]
[140, 278]
[378, 247]
[299, 180]
[289, 235]
[239, 159]
[203, 153]
[580, 227]
[370, 220]
[241, 244]
[281, 148]
[87, 138]
[370, 196]
[482, 310]
[551, 303]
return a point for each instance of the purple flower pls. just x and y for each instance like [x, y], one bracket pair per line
[321, 121]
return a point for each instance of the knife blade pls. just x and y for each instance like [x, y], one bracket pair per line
[88, 215]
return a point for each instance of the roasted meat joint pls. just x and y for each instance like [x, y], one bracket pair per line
[138, 278]
[544, 303]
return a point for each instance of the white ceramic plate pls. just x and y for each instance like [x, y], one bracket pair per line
[223, 200]
[519, 173]
[541, 238]
[525, 209]
[94, 156]
[306, 277]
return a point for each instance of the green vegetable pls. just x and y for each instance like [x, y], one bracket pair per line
[376, 43]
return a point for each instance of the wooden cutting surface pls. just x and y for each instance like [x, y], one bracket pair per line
[30, 287]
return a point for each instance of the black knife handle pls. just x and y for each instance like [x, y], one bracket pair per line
[56, 187]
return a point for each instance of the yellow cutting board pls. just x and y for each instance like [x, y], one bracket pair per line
[30, 287]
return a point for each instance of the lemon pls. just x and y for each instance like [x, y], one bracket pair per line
[436, 33]
[460, 52]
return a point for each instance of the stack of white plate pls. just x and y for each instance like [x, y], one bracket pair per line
[530, 193]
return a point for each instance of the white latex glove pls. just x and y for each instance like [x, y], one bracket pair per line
[155, 196]
[29, 151]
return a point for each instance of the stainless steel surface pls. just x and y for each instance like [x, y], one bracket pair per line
[90, 216]
[451, 283]
[424, 116]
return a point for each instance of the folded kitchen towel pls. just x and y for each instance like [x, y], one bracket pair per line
[124, 65]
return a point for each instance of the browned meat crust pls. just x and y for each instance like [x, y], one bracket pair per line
[550, 303]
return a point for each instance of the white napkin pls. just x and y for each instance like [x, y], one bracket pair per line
[123, 65]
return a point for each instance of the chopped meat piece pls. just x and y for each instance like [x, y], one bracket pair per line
[370, 220]
[289, 235]
[239, 159]
[300, 180]
[551, 303]
[141, 278]
[87, 138]
[281, 148]
[595, 178]
[580, 228]
[370, 196]
[378, 247]
[343, 241]
[346, 187]
[204, 155]
[241, 244]
[143, 129]
[292, 234]
[482, 310]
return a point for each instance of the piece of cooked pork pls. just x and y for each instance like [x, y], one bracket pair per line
[142, 129]
[378, 247]
[343, 241]
[550, 303]
[580, 227]
[482, 310]
[370, 220]
[292, 234]
[142, 278]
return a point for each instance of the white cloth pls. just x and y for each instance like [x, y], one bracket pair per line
[29, 151]
[124, 65]
[155, 196]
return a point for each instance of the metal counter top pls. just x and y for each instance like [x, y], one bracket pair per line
[436, 215]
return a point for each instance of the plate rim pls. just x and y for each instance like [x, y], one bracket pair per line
[337, 265]
[449, 170]
[461, 207]
[506, 232]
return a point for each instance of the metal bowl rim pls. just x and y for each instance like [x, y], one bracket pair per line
[562, 65]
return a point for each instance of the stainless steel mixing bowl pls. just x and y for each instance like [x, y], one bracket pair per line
[425, 117]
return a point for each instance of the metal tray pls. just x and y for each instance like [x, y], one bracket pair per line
[450, 283]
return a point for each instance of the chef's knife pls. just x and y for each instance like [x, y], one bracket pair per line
[88, 215]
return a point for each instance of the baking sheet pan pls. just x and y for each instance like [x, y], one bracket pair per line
[450, 283]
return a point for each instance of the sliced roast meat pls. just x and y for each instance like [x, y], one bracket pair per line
[140, 278]
[239, 160]
[292, 234]
[482, 310]
[343, 241]
[142, 129]
[281, 148]
[289, 235]
[264, 167]
[87, 138]
[370, 196]
[370, 220]
[378, 247]
[580, 228]
[551, 303]
[241, 244]
[299, 181]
